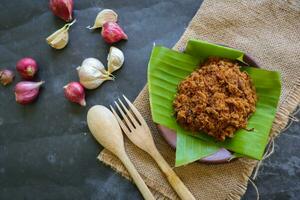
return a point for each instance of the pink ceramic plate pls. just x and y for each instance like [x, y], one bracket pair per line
[221, 156]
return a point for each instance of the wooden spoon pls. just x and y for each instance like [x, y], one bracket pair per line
[105, 128]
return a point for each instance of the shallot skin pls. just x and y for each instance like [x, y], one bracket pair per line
[62, 9]
[26, 91]
[75, 93]
[112, 32]
[27, 68]
[6, 76]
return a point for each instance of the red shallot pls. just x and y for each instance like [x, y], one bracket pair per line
[62, 9]
[27, 91]
[6, 76]
[27, 67]
[74, 92]
[112, 32]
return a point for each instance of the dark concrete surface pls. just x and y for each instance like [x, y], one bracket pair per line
[46, 150]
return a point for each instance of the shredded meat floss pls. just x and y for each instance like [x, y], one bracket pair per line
[217, 99]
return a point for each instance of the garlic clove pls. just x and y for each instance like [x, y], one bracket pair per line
[115, 59]
[60, 38]
[60, 41]
[92, 84]
[91, 77]
[93, 62]
[106, 15]
[55, 34]
[88, 73]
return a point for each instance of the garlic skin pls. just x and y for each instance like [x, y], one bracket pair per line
[92, 73]
[106, 15]
[6, 76]
[115, 59]
[60, 38]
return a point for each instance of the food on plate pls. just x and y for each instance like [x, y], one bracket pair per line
[216, 98]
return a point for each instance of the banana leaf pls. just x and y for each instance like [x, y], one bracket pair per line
[168, 67]
[189, 149]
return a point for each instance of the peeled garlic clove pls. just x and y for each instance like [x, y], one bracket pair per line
[115, 59]
[60, 38]
[106, 15]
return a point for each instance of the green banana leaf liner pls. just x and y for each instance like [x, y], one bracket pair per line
[167, 68]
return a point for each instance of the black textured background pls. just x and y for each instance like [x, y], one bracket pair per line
[46, 150]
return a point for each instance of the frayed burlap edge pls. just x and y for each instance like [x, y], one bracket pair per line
[288, 106]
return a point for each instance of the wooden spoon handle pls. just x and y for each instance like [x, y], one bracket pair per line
[137, 178]
[179, 187]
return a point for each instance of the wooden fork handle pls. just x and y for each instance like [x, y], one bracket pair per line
[181, 190]
[137, 178]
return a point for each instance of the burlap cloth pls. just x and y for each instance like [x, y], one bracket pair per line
[270, 32]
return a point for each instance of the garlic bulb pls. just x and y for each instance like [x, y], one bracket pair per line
[106, 15]
[94, 62]
[115, 59]
[92, 73]
[60, 38]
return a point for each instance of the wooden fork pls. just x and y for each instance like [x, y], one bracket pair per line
[137, 130]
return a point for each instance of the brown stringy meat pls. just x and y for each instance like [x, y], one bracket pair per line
[217, 98]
